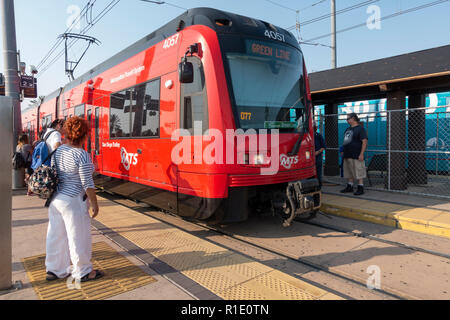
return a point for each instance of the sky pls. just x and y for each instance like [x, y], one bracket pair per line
[39, 23]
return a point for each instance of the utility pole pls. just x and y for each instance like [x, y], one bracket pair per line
[333, 35]
[12, 86]
[10, 109]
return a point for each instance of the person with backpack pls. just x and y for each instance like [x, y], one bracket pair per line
[69, 229]
[26, 151]
[50, 141]
[53, 135]
[22, 157]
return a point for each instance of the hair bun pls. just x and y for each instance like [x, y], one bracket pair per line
[76, 129]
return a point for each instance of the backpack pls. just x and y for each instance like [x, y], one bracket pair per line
[44, 180]
[18, 161]
[41, 152]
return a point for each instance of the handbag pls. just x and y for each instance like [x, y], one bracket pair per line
[44, 181]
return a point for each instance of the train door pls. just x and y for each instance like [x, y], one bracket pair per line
[97, 156]
[193, 112]
[90, 130]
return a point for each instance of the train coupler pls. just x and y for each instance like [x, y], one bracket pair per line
[303, 201]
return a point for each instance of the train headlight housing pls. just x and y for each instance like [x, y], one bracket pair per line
[260, 159]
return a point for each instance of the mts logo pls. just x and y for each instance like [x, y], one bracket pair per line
[287, 161]
[128, 159]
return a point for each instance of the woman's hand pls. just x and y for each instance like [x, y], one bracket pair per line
[93, 201]
[95, 210]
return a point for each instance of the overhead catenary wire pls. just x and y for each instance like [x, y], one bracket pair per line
[82, 13]
[165, 2]
[99, 16]
[295, 10]
[424, 6]
[328, 15]
[315, 44]
[108, 8]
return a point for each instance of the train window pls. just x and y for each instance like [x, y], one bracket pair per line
[145, 109]
[79, 110]
[194, 100]
[119, 118]
[46, 122]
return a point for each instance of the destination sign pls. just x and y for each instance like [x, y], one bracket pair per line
[265, 49]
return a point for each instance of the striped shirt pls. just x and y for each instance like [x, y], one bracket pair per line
[74, 168]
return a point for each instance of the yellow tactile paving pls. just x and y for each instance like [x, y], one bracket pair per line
[423, 220]
[120, 276]
[225, 273]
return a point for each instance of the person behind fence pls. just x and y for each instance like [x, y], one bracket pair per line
[319, 145]
[354, 146]
[69, 229]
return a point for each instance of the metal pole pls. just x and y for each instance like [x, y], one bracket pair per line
[437, 144]
[333, 35]
[389, 151]
[5, 194]
[12, 87]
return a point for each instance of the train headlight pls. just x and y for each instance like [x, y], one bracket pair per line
[260, 159]
[308, 155]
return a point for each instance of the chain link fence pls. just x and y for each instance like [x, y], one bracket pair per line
[408, 150]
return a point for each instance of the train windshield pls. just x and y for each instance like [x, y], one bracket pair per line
[268, 85]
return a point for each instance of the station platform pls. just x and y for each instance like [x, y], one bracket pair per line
[145, 259]
[403, 211]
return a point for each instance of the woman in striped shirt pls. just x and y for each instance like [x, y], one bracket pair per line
[69, 229]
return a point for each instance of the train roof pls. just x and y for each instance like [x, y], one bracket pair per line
[220, 21]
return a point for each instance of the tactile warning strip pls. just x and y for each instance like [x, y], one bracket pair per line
[120, 276]
[229, 275]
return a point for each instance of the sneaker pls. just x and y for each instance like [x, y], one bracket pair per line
[359, 191]
[347, 189]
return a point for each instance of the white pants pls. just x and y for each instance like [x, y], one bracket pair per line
[69, 237]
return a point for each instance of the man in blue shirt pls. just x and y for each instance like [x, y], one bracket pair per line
[319, 145]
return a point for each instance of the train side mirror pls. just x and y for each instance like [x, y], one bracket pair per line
[186, 71]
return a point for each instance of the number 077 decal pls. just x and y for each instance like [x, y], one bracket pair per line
[170, 42]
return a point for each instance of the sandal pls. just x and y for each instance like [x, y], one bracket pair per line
[51, 276]
[98, 275]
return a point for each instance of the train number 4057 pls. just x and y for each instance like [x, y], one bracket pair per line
[274, 35]
[170, 42]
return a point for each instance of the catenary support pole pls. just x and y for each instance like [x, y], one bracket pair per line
[12, 87]
[333, 35]
[6, 107]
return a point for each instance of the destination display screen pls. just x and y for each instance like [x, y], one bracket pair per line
[269, 50]
[267, 83]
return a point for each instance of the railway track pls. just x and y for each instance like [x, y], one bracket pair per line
[385, 292]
